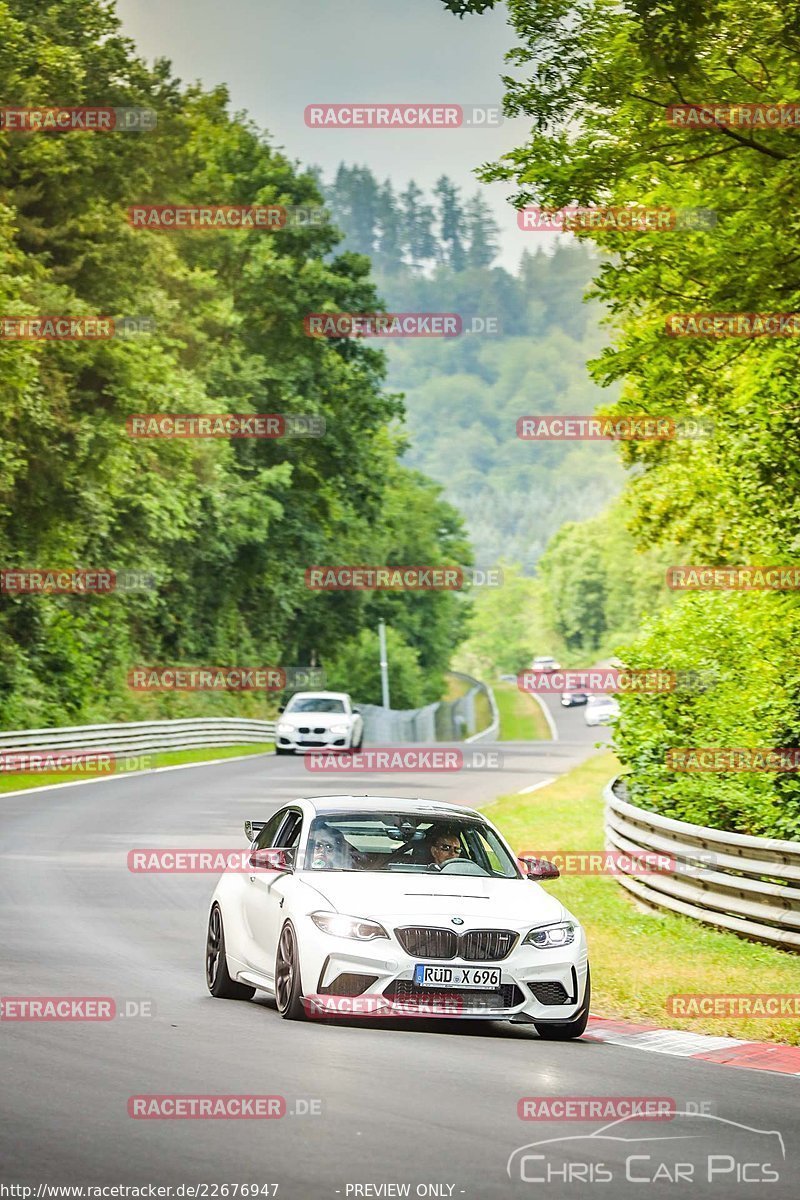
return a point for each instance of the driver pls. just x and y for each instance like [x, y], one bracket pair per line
[444, 845]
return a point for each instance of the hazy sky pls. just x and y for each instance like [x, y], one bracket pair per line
[276, 57]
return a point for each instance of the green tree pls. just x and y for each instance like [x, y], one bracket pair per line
[481, 233]
[417, 226]
[227, 528]
[450, 215]
[356, 669]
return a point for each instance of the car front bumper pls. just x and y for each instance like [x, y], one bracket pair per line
[313, 743]
[542, 985]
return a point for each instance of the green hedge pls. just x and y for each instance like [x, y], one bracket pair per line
[745, 649]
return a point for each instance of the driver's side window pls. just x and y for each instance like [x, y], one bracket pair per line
[270, 831]
[289, 836]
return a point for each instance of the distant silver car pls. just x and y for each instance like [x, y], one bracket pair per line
[601, 710]
[315, 721]
[572, 699]
[545, 663]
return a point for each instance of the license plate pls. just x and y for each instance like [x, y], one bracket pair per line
[479, 978]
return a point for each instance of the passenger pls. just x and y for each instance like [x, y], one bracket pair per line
[329, 850]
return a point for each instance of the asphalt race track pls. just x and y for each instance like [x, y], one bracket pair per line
[429, 1104]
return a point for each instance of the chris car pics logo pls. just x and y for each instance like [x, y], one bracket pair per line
[691, 1149]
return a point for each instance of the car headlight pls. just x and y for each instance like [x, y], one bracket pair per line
[548, 937]
[360, 928]
[284, 727]
[340, 728]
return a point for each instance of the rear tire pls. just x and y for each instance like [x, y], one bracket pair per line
[219, 981]
[288, 993]
[550, 1031]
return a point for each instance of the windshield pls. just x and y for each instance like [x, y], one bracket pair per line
[316, 704]
[409, 843]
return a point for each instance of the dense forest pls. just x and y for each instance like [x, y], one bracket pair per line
[225, 527]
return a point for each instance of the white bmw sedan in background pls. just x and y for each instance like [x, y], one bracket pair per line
[401, 902]
[317, 721]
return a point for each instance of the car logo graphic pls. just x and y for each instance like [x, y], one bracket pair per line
[615, 1131]
[456, 921]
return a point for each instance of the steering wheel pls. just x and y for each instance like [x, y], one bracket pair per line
[475, 868]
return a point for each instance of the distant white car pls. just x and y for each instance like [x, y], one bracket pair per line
[315, 721]
[601, 710]
[544, 663]
[400, 903]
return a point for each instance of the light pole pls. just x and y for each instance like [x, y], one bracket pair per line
[384, 665]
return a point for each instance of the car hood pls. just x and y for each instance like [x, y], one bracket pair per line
[412, 897]
[321, 720]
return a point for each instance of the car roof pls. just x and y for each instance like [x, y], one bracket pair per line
[366, 803]
[322, 695]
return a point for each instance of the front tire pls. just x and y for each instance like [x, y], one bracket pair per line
[219, 981]
[283, 750]
[288, 993]
[550, 1031]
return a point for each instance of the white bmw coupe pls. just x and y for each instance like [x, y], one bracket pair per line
[401, 902]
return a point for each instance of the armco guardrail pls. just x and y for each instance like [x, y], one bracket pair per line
[136, 737]
[749, 885]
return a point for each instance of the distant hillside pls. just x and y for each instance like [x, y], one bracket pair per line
[463, 395]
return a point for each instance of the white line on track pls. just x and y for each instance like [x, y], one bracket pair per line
[534, 787]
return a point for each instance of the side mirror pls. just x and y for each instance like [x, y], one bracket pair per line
[539, 868]
[273, 859]
[252, 829]
[356, 709]
[281, 707]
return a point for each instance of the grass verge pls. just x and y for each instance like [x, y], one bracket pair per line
[521, 717]
[17, 782]
[639, 958]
